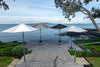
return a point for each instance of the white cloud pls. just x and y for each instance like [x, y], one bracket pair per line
[34, 12]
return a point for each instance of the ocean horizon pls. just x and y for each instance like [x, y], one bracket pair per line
[47, 33]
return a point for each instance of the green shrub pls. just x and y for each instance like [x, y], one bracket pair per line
[72, 52]
[87, 53]
[17, 51]
[80, 53]
[16, 42]
[28, 52]
[87, 46]
[87, 41]
[6, 50]
[96, 47]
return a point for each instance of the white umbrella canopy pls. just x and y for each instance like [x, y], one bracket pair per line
[20, 28]
[40, 25]
[73, 28]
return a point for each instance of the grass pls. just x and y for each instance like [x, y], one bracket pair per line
[80, 53]
[95, 51]
[96, 47]
[94, 60]
[5, 61]
[6, 50]
[87, 41]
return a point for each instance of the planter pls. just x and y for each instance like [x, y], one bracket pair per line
[90, 64]
[81, 46]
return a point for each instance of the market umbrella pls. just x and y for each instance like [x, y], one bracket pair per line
[73, 28]
[59, 27]
[20, 28]
[40, 25]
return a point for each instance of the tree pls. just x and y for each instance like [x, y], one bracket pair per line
[3, 5]
[96, 13]
[70, 7]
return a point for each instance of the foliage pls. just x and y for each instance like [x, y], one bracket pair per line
[87, 53]
[3, 5]
[16, 42]
[72, 52]
[28, 52]
[96, 47]
[12, 50]
[80, 53]
[70, 7]
[17, 51]
[5, 61]
[5, 49]
[87, 41]
[96, 12]
[94, 60]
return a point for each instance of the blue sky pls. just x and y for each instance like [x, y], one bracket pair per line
[36, 11]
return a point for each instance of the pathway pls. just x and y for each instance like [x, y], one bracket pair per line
[48, 54]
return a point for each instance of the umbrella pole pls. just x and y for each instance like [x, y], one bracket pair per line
[40, 36]
[59, 36]
[71, 43]
[23, 46]
[75, 56]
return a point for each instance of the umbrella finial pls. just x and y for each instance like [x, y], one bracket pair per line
[22, 23]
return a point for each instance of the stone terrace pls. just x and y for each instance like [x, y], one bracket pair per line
[48, 54]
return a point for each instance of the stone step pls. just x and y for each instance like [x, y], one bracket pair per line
[36, 64]
[48, 64]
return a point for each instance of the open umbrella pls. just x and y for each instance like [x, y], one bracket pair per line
[73, 28]
[40, 25]
[20, 28]
[59, 27]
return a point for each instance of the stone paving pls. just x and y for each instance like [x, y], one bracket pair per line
[48, 54]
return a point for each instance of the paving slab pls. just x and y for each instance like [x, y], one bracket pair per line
[48, 54]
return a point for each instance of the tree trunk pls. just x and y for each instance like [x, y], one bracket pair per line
[92, 19]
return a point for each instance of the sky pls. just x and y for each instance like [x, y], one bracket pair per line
[38, 11]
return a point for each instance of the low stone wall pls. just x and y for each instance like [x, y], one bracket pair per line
[90, 64]
[17, 61]
[81, 46]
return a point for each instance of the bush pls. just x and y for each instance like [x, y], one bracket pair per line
[79, 53]
[6, 50]
[28, 52]
[17, 51]
[16, 42]
[72, 52]
[87, 53]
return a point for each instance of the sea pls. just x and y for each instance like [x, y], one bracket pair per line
[47, 33]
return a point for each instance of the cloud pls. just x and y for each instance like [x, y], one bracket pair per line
[34, 11]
